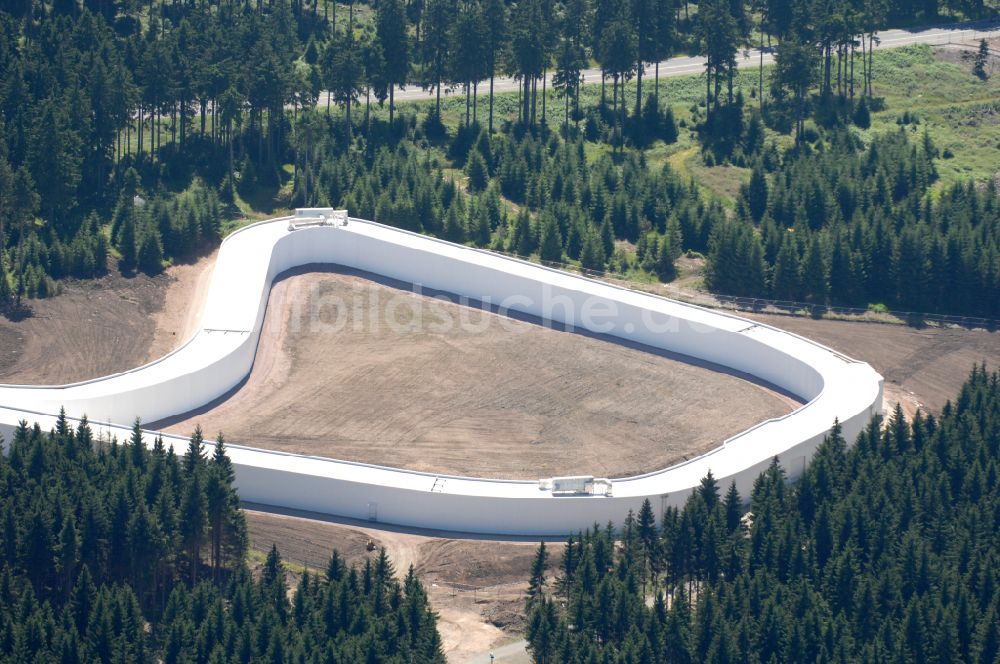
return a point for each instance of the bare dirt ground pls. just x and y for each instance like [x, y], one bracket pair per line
[178, 319]
[364, 371]
[923, 368]
[965, 55]
[99, 327]
[476, 586]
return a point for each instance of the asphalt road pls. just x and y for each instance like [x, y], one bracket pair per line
[512, 653]
[960, 33]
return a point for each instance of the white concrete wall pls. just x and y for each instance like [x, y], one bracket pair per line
[221, 354]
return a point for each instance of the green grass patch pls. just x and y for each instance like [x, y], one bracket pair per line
[960, 111]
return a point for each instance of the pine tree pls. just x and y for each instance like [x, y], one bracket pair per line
[475, 168]
[787, 279]
[550, 242]
[194, 458]
[649, 541]
[193, 523]
[225, 521]
[982, 59]
[335, 568]
[669, 124]
[536, 582]
[708, 491]
[862, 115]
[756, 195]
[150, 257]
[137, 446]
[390, 26]
[495, 19]
[607, 237]
[733, 508]
[273, 582]
[665, 269]
[126, 241]
[592, 255]
[815, 274]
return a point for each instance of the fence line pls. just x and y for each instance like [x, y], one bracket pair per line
[781, 307]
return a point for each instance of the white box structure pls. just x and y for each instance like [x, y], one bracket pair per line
[221, 354]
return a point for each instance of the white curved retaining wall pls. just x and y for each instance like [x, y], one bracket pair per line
[221, 354]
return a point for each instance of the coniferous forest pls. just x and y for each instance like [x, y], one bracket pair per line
[131, 133]
[885, 551]
[118, 553]
[134, 134]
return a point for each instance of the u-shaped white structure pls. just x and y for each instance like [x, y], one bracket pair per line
[221, 354]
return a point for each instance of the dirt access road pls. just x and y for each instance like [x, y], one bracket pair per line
[923, 367]
[369, 371]
[477, 587]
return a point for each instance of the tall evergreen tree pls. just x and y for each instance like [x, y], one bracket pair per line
[390, 25]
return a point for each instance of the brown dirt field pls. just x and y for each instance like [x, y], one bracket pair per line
[510, 399]
[99, 327]
[923, 368]
[476, 586]
[180, 315]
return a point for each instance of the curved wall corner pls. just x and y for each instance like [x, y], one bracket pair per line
[222, 351]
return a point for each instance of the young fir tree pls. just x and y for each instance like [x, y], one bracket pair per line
[536, 582]
[982, 59]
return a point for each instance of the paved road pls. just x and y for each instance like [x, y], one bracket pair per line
[512, 653]
[695, 65]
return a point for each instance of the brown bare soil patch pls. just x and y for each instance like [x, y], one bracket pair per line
[183, 305]
[923, 367]
[353, 369]
[95, 328]
[964, 55]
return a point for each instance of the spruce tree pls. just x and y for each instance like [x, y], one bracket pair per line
[193, 523]
[150, 257]
[756, 195]
[982, 59]
[126, 241]
[665, 269]
[475, 168]
[787, 279]
[592, 253]
[550, 242]
[390, 26]
[536, 581]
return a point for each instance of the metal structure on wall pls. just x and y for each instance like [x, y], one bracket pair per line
[221, 354]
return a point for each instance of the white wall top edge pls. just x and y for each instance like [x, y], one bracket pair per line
[221, 354]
